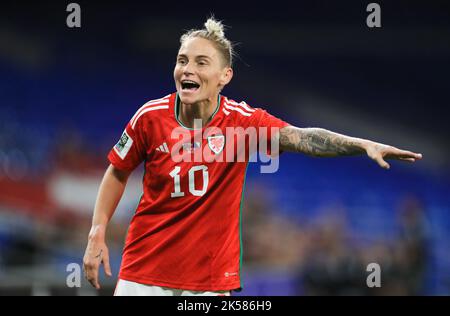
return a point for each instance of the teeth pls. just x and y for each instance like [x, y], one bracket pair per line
[193, 84]
[189, 81]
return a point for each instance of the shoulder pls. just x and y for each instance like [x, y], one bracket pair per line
[242, 113]
[240, 109]
[150, 109]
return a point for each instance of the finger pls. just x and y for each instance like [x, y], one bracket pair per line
[92, 277]
[106, 264]
[406, 154]
[408, 159]
[383, 164]
[94, 282]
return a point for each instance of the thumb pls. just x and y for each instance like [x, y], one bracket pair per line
[383, 164]
[106, 264]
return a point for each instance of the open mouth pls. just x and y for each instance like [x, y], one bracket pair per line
[189, 85]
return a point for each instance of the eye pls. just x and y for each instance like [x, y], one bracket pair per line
[181, 61]
[202, 63]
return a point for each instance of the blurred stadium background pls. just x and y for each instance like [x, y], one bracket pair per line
[311, 228]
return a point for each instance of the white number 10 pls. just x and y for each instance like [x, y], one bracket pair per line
[175, 174]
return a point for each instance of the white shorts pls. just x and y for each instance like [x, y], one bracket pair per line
[128, 288]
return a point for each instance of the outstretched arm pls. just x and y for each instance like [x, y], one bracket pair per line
[319, 142]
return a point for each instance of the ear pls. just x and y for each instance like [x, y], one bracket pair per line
[227, 75]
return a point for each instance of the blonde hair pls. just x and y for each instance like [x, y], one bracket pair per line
[214, 32]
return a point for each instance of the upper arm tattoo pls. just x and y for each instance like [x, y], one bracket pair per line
[319, 142]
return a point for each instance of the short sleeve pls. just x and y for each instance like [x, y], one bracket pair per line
[262, 119]
[130, 150]
[266, 125]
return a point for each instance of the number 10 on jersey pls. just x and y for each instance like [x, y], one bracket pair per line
[175, 174]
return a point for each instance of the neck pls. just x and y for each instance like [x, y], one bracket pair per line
[202, 110]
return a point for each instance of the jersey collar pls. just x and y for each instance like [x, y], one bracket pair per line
[177, 109]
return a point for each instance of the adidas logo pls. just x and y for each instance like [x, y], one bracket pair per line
[163, 148]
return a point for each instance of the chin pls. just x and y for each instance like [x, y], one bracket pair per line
[188, 98]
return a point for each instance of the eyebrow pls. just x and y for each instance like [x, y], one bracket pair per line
[197, 57]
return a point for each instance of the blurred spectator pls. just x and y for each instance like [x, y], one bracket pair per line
[336, 267]
[413, 244]
[332, 266]
[269, 238]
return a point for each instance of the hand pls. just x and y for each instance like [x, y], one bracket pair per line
[96, 253]
[380, 152]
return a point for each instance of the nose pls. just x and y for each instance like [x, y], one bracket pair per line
[187, 69]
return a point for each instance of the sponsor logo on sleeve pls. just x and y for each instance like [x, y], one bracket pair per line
[123, 145]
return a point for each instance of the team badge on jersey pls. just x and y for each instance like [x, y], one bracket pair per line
[123, 145]
[216, 143]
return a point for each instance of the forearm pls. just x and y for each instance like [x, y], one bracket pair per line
[109, 194]
[320, 142]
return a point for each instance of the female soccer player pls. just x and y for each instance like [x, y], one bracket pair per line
[184, 238]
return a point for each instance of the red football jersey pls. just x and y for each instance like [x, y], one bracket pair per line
[186, 230]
